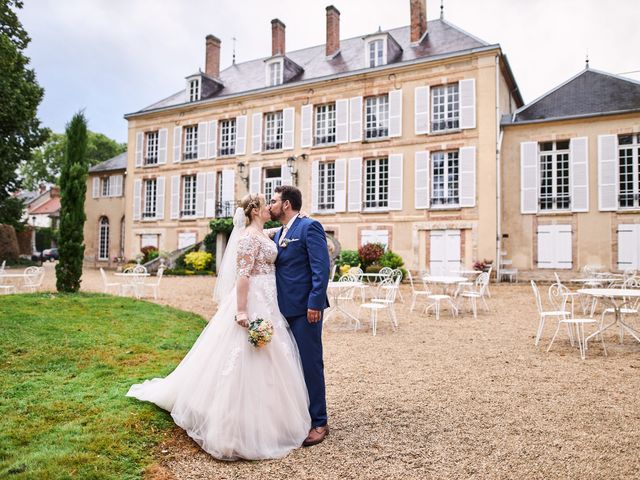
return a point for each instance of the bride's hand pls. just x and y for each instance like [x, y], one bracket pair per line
[242, 319]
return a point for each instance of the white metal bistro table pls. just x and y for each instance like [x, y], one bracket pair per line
[595, 282]
[617, 298]
[444, 280]
[133, 280]
[376, 277]
[335, 289]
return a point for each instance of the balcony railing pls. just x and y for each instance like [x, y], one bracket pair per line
[326, 140]
[277, 145]
[152, 160]
[228, 151]
[375, 204]
[629, 200]
[190, 156]
[375, 132]
[554, 203]
[149, 214]
[448, 201]
[225, 209]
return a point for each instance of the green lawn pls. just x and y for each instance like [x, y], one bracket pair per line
[66, 362]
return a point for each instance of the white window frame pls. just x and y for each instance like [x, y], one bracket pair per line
[446, 179]
[375, 184]
[105, 186]
[190, 147]
[151, 147]
[188, 190]
[269, 184]
[325, 124]
[103, 239]
[150, 202]
[376, 111]
[275, 72]
[631, 177]
[375, 52]
[553, 178]
[445, 107]
[273, 131]
[228, 134]
[194, 90]
[326, 186]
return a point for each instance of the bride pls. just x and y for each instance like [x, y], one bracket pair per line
[234, 400]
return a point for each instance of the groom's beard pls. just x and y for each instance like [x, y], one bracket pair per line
[275, 217]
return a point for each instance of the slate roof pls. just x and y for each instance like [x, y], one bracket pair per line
[589, 93]
[442, 39]
[119, 162]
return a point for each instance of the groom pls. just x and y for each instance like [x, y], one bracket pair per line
[302, 275]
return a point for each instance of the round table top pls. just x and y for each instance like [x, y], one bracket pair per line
[610, 292]
[16, 275]
[444, 279]
[588, 280]
[131, 274]
[344, 284]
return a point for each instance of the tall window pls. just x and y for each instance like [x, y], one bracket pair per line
[376, 187]
[325, 124]
[554, 176]
[275, 74]
[151, 157]
[326, 185]
[376, 53]
[191, 142]
[188, 195]
[221, 211]
[122, 237]
[377, 117]
[150, 196]
[272, 179]
[629, 171]
[106, 186]
[194, 90]
[445, 101]
[273, 131]
[103, 249]
[228, 137]
[444, 178]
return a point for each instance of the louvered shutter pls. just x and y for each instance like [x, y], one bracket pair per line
[421, 179]
[421, 110]
[241, 135]
[306, 126]
[202, 140]
[137, 199]
[355, 184]
[117, 185]
[607, 173]
[256, 133]
[288, 128]
[467, 158]
[254, 180]
[315, 185]
[213, 139]
[467, 90]
[395, 113]
[355, 119]
[175, 197]
[395, 181]
[528, 177]
[285, 174]
[96, 187]
[162, 146]
[139, 148]
[437, 252]
[340, 197]
[342, 121]
[210, 196]
[562, 246]
[579, 174]
[628, 246]
[228, 187]
[201, 179]
[160, 198]
[177, 144]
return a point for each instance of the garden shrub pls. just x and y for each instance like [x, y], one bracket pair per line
[394, 261]
[8, 243]
[370, 253]
[149, 252]
[348, 257]
[198, 261]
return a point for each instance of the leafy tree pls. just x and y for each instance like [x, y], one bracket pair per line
[11, 213]
[73, 188]
[20, 95]
[46, 164]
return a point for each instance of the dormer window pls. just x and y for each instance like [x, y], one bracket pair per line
[274, 73]
[376, 53]
[194, 90]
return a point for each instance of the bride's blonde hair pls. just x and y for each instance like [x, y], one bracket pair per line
[249, 202]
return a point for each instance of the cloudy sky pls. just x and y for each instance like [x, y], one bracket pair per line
[113, 57]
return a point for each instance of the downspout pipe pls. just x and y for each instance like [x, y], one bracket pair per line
[499, 135]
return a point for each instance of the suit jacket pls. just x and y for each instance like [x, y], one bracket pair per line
[302, 268]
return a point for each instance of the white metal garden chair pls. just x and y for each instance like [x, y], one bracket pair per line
[559, 313]
[477, 292]
[415, 292]
[632, 307]
[357, 272]
[135, 280]
[107, 285]
[379, 303]
[33, 277]
[5, 289]
[153, 286]
[434, 300]
[397, 276]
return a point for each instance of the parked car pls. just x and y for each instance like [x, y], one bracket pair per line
[50, 254]
[36, 256]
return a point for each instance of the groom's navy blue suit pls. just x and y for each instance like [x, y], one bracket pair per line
[302, 275]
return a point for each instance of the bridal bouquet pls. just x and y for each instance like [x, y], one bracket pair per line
[260, 332]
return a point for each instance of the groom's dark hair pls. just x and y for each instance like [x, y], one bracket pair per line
[291, 193]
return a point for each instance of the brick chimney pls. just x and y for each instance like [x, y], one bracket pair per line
[212, 60]
[333, 31]
[418, 19]
[277, 37]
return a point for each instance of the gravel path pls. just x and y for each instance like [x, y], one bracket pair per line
[454, 398]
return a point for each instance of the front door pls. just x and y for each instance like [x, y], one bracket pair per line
[444, 257]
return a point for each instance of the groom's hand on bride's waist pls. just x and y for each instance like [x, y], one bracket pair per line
[313, 316]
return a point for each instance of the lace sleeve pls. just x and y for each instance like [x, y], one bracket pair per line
[248, 248]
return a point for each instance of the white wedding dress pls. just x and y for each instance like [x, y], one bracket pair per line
[234, 400]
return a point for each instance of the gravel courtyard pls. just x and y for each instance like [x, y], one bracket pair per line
[454, 398]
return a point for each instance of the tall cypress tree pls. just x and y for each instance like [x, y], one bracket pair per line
[73, 187]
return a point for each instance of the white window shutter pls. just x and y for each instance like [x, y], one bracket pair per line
[96, 187]
[607, 173]
[467, 169]
[628, 246]
[162, 146]
[160, 199]
[467, 89]
[421, 110]
[117, 185]
[137, 199]
[177, 144]
[315, 185]
[529, 177]
[288, 128]
[437, 252]
[579, 174]
[241, 135]
[355, 184]
[228, 186]
[256, 133]
[342, 121]
[545, 246]
[395, 181]
[306, 126]
[285, 174]
[562, 247]
[175, 197]
[210, 196]
[340, 197]
[139, 148]
[213, 139]
[395, 113]
[421, 179]
[254, 180]
[202, 140]
[201, 179]
[355, 119]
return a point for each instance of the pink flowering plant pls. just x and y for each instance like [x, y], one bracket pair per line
[260, 332]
